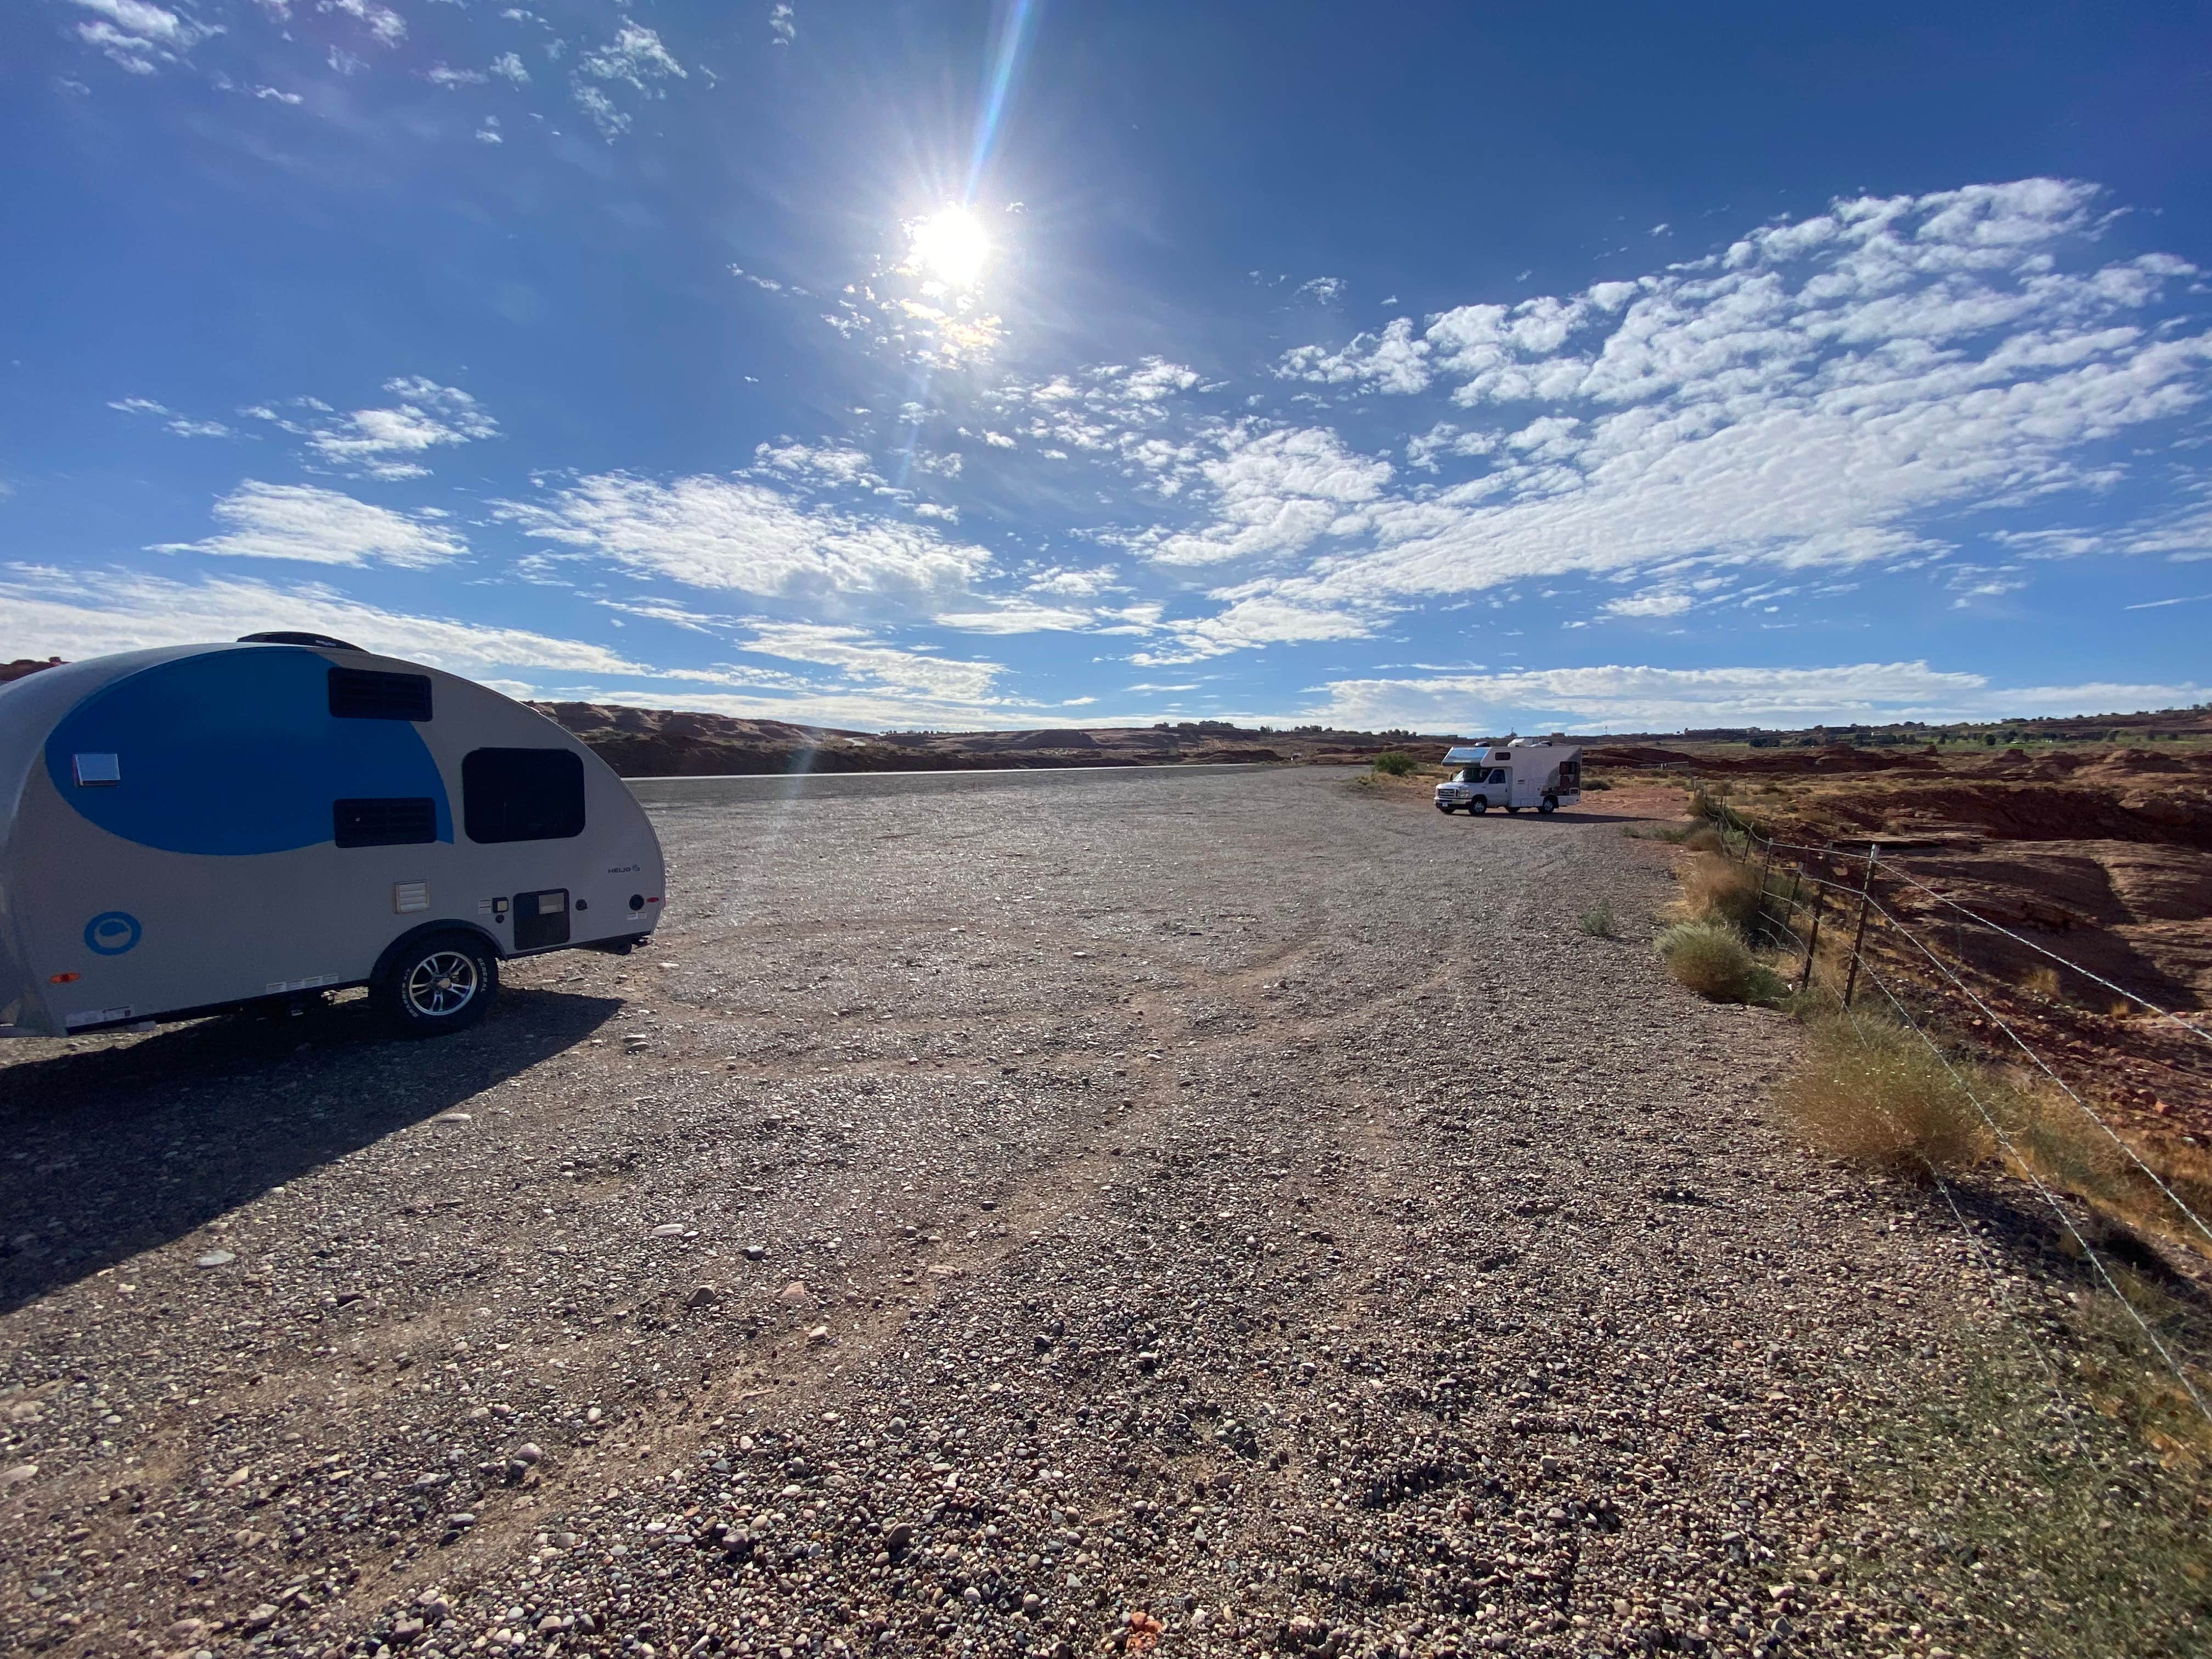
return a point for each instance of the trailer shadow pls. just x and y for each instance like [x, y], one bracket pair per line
[112, 1152]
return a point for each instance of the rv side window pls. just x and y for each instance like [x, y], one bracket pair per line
[362, 694]
[522, 794]
[390, 821]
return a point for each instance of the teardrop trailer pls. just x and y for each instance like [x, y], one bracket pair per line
[196, 829]
[1540, 772]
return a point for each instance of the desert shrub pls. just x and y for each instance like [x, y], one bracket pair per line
[1595, 783]
[2041, 979]
[1597, 921]
[1396, 763]
[1702, 838]
[1715, 890]
[1871, 1090]
[1710, 958]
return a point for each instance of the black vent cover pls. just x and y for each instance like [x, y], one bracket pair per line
[364, 694]
[392, 821]
[320, 641]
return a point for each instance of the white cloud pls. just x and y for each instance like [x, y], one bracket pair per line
[634, 59]
[385, 25]
[140, 37]
[826, 464]
[321, 526]
[1075, 584]
[1393, 360]
[1015, 617]
[182, 425]
[442, 75]
[859, 655]
[1815, 395]
[734, 534]
[87, 614]
[1252, 620]
[1277, 492]
[1622, 699]
[427, 416]
[782, 26]
[1653, 602]
[508, 67]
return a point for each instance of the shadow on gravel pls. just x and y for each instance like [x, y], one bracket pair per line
[110, 1152]
[2027, 1238]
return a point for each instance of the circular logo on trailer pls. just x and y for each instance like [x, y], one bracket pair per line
[112, 933]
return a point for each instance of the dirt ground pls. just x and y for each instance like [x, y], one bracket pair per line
[1218, 1211]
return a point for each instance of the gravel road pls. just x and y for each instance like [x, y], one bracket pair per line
[1220, 1212]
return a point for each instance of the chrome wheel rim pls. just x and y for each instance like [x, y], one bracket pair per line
[441, 984]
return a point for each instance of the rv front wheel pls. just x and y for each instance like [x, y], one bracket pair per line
[441, 984]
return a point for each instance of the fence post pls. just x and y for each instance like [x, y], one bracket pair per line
[1812, 945]
[1858, 938]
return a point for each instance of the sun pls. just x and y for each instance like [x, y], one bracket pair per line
[951, 246]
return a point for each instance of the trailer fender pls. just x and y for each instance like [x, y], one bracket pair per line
[452, 926]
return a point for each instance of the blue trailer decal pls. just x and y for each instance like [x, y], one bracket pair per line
[112, 933]
[234, 753]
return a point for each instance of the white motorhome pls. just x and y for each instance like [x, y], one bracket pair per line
[196, 828]
[1545, 773]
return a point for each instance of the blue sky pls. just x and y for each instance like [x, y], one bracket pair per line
[952, 365]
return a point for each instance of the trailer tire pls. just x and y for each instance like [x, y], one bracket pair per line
[440, 983]
[1480, 804]
[1550, 803]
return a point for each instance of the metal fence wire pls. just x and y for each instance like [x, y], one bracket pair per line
[1805, 891]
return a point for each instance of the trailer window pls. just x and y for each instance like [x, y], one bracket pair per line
[362, 694]
[392, 821]
[523, 794]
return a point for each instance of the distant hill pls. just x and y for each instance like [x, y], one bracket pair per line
[647, 742]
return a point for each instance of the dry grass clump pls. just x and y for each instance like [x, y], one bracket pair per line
[1597, 921]
[1870, 1091]
[1712, 959]
[1716, 890]
[1703, 839]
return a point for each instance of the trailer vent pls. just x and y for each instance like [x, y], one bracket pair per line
[362, 694]
[393, 821]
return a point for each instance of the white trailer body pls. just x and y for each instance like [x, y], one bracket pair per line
[199, 827]
[1537, 772]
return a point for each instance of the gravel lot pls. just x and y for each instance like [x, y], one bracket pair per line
[1214, 1211]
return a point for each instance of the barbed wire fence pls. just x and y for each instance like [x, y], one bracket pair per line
[1804, 891]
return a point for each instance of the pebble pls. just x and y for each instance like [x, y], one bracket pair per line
[215, 1259]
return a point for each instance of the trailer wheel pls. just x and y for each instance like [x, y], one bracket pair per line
[1480, 804]
[1548, 804]
[443, 984]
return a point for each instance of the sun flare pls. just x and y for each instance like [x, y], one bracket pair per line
[951, 246]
